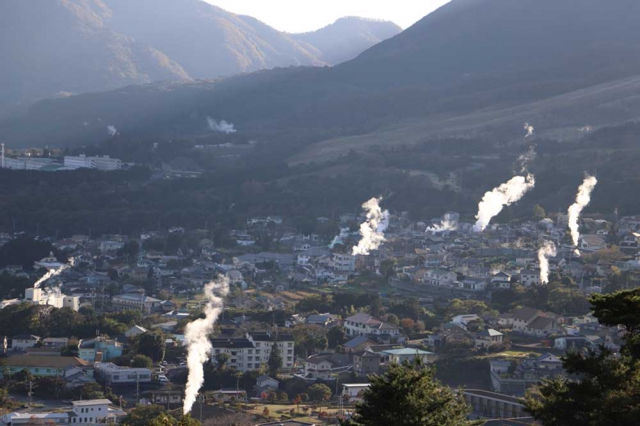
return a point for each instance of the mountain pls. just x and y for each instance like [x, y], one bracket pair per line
[77, 46]
[347, 38]
[206, 40]
[463, 70]
[57, 46]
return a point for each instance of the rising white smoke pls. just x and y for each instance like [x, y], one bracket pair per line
[529, 128]
[443, 226]
[583, 198]
[525, 159]
[372, 229]
[51, 294]
[197, 337]
[112, 131]
[53, 272]
[222, 126]
[547, 250]
[506, 194]
[340, 238]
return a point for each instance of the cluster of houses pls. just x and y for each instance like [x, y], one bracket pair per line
[428, 259]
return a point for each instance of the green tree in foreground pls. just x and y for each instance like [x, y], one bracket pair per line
[319, 392]
[275, 360]
[141, 361]
[155, 415]
[409, 395]
[608, 392]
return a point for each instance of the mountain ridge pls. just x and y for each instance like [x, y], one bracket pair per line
[452, 63]
[80, 46]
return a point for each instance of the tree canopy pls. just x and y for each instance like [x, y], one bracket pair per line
[409, 395]
[603, 388]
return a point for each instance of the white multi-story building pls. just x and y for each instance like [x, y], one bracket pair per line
[112, 374]
[363, 324]
[85, 413]
[105, 163]
[343, 262]
[250, 352]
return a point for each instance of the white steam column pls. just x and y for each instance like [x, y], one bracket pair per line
[198, 344]
[372, 229]
[504, 195]
[583, 198]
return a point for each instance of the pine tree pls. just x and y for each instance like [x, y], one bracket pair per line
[409, 395]
[275, 360]
[605, 390]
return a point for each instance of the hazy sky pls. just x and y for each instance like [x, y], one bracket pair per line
[309, 15]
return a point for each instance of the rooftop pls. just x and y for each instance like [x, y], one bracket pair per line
[43, 361]
[406, 351]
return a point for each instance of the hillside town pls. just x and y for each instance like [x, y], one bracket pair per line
[305, 322]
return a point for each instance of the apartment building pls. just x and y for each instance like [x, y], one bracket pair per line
[251, 351]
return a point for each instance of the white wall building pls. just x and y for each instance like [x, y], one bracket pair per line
[86, 413]
[109, 373]
[253, 350]
[105, 163]
[362, 324]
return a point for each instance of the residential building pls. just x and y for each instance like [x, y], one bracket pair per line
[326, 365]
[591, 242]
[541, 326]
[86, 413]
[267, 384]
[488, 338]
[515, 377]
[441, 278]
[529, 278]
[501, 280]
[343, 262]
[112, 374]
[323, 320]
[171, 399]
[524, 316]
[250, 352]
[362, 324]
[399, 356]
[366, 362]
[135, 302]
[22, 342]
[574, 343]
[42, 365]
[99, 349]
[134, 331]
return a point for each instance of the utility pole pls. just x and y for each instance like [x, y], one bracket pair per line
[30, 393]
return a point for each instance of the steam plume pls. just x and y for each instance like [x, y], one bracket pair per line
[112, 130]
[372, 229]
[444, 225]
[53, 272]
[340, 238]
[198, 344]
[222, 126]
[525, 159]
[529, 128]
[547, 250]
[506, 194]
[582, 200]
